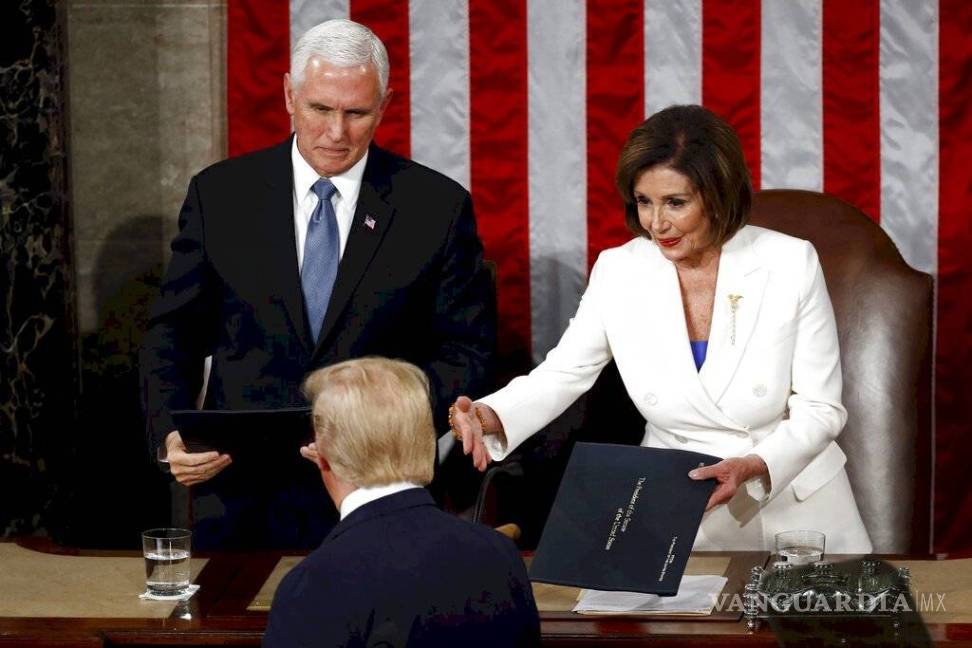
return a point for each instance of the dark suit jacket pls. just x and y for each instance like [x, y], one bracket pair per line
[398, 572]
[413, 287]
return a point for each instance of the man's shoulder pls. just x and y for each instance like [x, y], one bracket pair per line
[408, 175]
[253, 163]
[488, 542]
[326, 569]
[436, 531]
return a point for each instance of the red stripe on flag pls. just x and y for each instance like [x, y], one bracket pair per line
[615, 105]
[953, 370]
[498, 139]
[851, 103]
[257, 57]
[389, 21]
[730, 70]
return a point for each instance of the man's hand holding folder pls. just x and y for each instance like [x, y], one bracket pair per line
[208, 441]
[191, 468]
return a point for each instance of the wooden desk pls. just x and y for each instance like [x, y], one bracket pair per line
[218, 615]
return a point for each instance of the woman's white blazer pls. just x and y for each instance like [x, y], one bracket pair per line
[770, 384]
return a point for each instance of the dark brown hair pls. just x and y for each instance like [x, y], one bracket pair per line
[700, 145]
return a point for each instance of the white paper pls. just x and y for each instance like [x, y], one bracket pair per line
[696, 595]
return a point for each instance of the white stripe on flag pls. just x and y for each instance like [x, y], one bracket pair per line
[673, 53]
[909, 129]
[556, 37]
[791, 97]
[304, 14]
[439, 71]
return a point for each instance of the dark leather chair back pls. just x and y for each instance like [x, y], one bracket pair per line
[884, 310]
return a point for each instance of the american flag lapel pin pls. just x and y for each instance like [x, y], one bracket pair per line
[370, 221]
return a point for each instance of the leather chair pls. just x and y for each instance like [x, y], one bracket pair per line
[884, 314]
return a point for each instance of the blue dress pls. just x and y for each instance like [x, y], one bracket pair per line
[699, 347]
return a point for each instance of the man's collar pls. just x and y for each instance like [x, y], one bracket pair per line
[358, 498]
[304, 174]
[348, 183]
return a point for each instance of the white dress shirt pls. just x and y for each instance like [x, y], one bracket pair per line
[358, 498]
[344, 200]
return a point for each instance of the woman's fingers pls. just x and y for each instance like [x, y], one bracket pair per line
[729, 473]
[468, 433]
[464, 404]
[464, 420]
[479, 456]
[722, 494]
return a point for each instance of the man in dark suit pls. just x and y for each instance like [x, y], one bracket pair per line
[395, 571]
[320, 249]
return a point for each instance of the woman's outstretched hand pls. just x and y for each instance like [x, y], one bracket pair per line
[469, 422]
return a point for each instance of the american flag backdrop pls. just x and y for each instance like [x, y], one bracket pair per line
[527, 102]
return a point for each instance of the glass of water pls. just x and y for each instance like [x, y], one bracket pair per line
[166, 552]
[801, 547]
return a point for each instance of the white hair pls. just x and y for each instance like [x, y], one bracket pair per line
[341, 42]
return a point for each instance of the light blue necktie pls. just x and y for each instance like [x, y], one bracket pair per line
[321, 256]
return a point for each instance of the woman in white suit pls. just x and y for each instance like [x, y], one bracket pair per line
[723, 334]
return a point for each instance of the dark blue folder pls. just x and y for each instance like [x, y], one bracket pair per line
[249, 436]
[625, 519]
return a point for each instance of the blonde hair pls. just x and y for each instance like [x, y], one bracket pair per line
[373, 421]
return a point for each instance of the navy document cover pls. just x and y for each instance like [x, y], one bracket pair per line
[258, 436]
[624, 519]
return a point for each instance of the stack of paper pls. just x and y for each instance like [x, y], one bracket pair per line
[696, 595]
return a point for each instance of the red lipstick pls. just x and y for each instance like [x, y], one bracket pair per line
[671, 242]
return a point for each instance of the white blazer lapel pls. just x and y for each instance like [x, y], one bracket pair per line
[738, 297]
[672, 332]
[666, 329]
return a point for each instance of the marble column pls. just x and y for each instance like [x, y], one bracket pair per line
[147, 94]
[38, 358]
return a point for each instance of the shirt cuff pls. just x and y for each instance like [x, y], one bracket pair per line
[758, 488]
[496, 446]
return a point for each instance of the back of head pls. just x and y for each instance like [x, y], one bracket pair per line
[701, 146]
[373, 421]
[343, 43]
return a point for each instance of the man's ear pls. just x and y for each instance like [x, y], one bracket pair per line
[289, 99]
[384, 103]
[322, 463]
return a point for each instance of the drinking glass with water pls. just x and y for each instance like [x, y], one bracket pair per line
[801, 547]
[167, 554]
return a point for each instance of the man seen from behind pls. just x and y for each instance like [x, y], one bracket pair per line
[395, 571]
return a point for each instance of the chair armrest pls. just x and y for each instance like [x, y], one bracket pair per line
[510, 467]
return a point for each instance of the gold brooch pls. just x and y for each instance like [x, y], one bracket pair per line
[733, 306]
